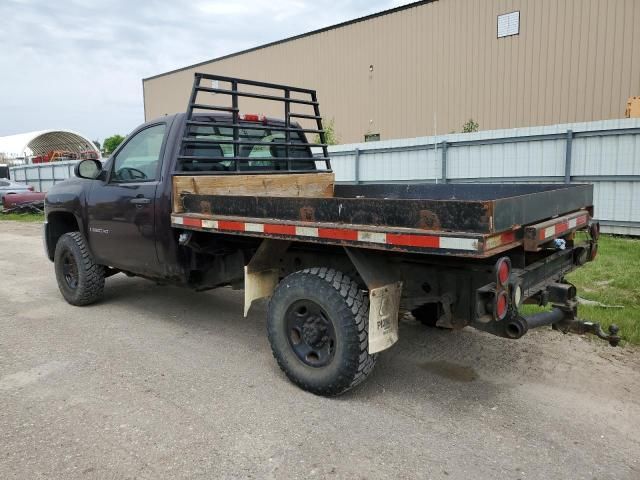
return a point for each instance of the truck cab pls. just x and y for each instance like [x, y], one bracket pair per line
[124, 213]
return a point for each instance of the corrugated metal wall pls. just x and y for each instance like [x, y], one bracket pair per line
[605, 153]
[437, 64]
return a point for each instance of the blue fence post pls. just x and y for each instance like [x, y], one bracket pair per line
[567, 157]
[39, 178]
[445, 146]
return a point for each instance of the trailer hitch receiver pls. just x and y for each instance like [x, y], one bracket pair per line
[563, 320]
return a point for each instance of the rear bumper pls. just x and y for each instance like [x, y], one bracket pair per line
[540, 283]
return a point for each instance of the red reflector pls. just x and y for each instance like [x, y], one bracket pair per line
[338, 234]
[503, 270]
[561, 228]
[508, 237]
[413, 240]
[276, 229]
[229, 225]
[192, 222]
[502, 304]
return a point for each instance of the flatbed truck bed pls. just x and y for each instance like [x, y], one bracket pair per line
[468, 220]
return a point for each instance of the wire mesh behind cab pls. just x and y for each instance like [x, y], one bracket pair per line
[224, 141]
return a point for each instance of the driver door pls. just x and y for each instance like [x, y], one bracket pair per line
[121, 212]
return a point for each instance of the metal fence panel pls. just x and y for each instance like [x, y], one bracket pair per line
[615, 155]
[605, 153]
[43, 176]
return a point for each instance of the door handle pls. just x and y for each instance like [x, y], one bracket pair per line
[140, 201]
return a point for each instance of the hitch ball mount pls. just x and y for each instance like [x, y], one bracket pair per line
[582, 327]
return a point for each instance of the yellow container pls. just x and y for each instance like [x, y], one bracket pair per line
[633, 108]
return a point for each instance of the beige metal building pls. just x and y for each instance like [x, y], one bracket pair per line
[432, 65]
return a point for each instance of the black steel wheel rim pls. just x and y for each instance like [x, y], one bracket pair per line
[70, 270]
[311, 334]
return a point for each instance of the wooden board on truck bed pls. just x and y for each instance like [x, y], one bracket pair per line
[319, 185]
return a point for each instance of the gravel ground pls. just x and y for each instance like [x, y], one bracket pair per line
[157, 382]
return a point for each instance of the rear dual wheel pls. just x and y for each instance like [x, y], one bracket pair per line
[318, 330]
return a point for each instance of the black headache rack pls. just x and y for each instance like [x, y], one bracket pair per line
[226, 152]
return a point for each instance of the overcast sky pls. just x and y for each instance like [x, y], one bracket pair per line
[79, 64]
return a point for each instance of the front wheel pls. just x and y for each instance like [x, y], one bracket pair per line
[80, 279]
[318, 329]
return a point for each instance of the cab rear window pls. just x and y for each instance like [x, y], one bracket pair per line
[272, 155]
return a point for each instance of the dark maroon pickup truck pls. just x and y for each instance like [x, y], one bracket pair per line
[213, 198]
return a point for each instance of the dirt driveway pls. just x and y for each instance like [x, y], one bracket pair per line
[156, 382]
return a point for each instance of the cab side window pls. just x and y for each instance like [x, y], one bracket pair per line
[139, 159]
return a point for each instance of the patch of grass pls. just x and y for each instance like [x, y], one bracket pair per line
[22, 217]
[613, 278]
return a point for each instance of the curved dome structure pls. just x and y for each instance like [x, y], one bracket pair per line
[31, 144]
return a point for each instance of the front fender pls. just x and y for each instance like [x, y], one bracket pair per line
[65, 211]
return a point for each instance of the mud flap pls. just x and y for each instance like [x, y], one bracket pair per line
[262, 273]
[384, 305]
[385, 288]
[258, 285]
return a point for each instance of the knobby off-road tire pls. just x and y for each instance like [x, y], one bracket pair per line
[80, 279]
[323, 312]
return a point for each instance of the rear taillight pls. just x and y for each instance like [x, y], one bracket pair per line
[503, 271]
[502, 305]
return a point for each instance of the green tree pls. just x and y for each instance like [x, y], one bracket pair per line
[330, 134]
[470, 126]
[111, 143]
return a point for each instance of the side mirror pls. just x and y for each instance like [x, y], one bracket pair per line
[89, 169]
